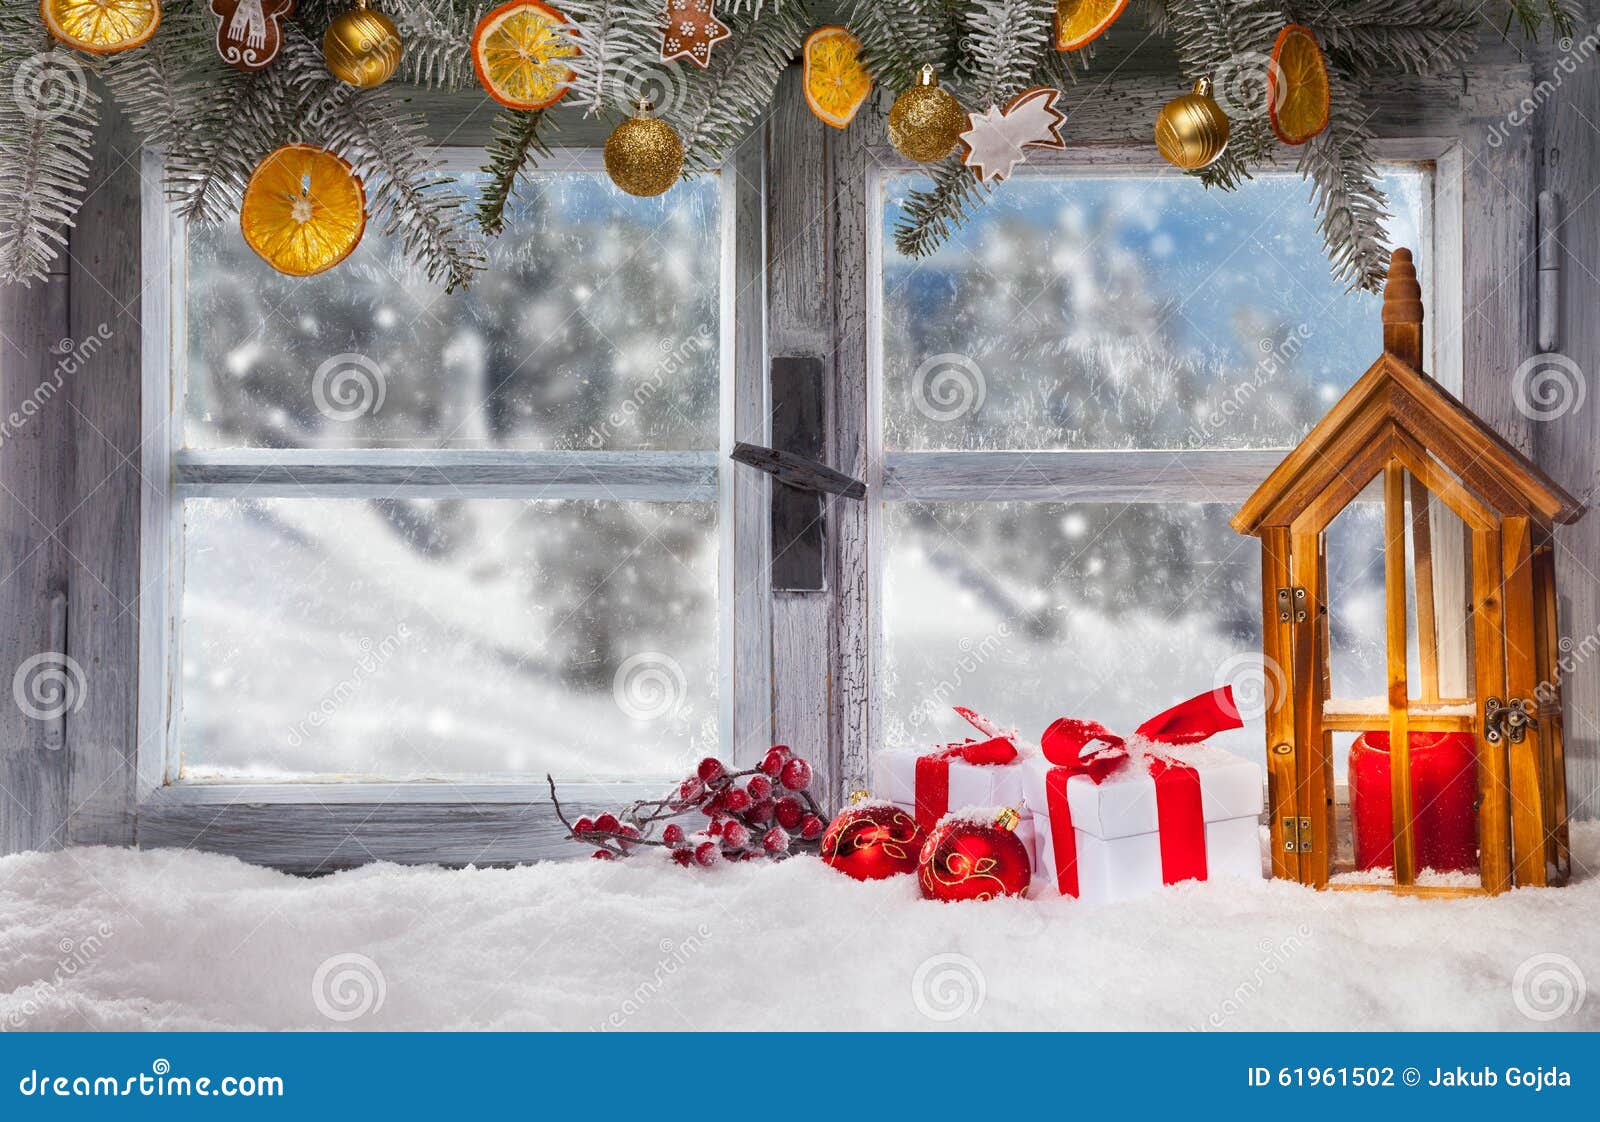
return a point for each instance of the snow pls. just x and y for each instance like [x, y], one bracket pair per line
[123, 939]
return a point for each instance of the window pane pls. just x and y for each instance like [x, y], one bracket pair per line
[411, 639]
[1031, 611]
[596, 326]
[1127, 312]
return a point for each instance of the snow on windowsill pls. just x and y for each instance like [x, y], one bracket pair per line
[128, 939]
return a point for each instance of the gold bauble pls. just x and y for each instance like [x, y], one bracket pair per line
[644, 155]
[926, 122]
[1192, 130]
[362, 47]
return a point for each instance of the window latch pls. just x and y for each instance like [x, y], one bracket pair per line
[800, 472]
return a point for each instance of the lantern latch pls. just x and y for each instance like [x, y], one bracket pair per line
[1297, 835]
[1291, 605]
[1508, 720]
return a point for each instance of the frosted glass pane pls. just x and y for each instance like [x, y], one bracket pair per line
[596, 326]
[1127, 312]
[408, 640]
[1032, 611]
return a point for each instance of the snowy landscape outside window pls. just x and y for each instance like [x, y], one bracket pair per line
[440, 628]
[1163, 325]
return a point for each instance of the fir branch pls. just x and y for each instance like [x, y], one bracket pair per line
[1374, 38]
[1230, 42]
[618, 56]
[169, 81]
[1351, 208]
[933, 213]
[1530, 16]
[516, 142]
[720, 107]
[438, 51]
[48, 114]
[1003, 45]
[214, 149]
[899, 36]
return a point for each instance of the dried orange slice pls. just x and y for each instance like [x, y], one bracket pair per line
[1297, 86]
[836, 80]
[101, 27]
[1081, 22]
[517, 52]
[304, 210]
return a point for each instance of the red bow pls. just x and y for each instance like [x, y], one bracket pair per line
[1179, 809]
[933, 770]
[1067, 740]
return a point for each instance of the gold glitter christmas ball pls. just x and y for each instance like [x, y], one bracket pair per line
[644, 155]
[1192, 130]
[926, 121]
[362, 46]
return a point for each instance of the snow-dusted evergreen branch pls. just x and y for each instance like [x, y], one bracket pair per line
[1351, 208]
[933, 213]
[516, 142]
[1382, 37]
[46, 131]
[618, 42]
[1002, 51]
[720, 107]
[385, 139]
[1002, 46]
[167, 83]
[438, 42]
[1230, 42]
[899, 36]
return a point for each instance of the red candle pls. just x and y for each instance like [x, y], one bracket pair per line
[1444, 791]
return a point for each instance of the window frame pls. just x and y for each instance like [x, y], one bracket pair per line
[316, 826]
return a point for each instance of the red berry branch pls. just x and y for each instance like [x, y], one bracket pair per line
[765, 811]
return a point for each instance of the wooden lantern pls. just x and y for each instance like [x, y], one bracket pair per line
[1399, 424]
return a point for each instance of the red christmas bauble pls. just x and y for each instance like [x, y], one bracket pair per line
[872, 841]
[967, 860]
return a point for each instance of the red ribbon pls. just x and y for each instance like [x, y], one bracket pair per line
[1069, 745]
[933, 770]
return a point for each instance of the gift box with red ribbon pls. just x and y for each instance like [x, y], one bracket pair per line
[985, 772]
[1118, 817]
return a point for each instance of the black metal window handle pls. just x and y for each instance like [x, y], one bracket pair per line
[800, 472]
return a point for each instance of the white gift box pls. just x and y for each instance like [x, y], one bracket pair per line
[1117, 830]
[894, 777]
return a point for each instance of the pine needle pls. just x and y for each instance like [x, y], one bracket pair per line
[516, 142]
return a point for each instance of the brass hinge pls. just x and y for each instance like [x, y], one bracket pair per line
[1291, 605]
[1508, 720]
[1297, 835]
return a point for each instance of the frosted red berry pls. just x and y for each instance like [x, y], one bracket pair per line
[673, 834]
[583, 825]
[691, 790]
[602, 855]
[758, 787]
[811, 827]
[788, 812]
[710, 769]
[707, 853]
[606, 823]
[796, 775]
[682, 857]
[735, 834]
[774, 760]
[736, 800]
[760, 813]
[775, 840]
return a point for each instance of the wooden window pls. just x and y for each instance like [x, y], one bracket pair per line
[420, 548]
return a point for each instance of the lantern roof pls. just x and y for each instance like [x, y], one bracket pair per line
[1396, 411]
